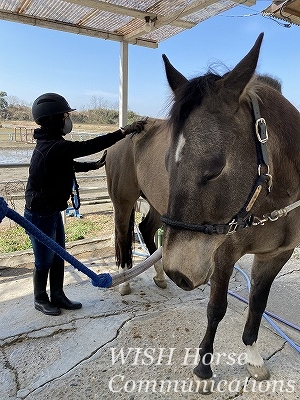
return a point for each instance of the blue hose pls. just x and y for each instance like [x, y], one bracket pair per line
[141, 243]
[275, 326]
[101, 280]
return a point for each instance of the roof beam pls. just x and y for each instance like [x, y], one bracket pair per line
[200, 4]
[115, 9]
[156, 23]
[71, 28]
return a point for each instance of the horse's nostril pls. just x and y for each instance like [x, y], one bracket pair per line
[185, 284]
[181, 280]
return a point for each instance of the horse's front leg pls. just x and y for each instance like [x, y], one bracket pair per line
[263, 274]
[159, 278]
[216, 310]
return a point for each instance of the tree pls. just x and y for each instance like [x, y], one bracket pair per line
[3, 104]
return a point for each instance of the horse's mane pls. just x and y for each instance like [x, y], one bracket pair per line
[191, 94]
[271, 81]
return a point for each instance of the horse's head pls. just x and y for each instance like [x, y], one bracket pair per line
[211, 163]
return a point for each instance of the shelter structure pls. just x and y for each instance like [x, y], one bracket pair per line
[143, 23]
[286, 10]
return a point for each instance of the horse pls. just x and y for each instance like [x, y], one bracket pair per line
[220, 171]
[135, 168]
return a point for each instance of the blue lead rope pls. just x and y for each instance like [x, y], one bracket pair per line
[101, 280]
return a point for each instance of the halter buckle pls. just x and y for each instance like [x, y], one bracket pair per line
[261, 130]
[232, 227]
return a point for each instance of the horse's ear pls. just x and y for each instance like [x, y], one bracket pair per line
[236, 80]
[175, 78]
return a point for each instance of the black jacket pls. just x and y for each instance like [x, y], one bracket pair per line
[52, 168]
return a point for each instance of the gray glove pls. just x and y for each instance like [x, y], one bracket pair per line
[135, 127]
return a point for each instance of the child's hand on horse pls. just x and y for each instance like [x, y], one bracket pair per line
[135, 127]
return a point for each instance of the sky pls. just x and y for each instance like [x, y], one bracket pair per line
[80, 68]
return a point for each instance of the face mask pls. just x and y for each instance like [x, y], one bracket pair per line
[67, 126]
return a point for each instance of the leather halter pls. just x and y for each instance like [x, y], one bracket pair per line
[243, 218]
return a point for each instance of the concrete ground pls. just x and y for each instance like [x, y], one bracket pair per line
[138, 346]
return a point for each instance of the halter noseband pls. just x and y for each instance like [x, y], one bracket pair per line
[242, 219]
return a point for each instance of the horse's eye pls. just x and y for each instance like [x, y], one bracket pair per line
[212, 173]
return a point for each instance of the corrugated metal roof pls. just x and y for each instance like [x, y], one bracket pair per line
[286, 10]
[144, 23]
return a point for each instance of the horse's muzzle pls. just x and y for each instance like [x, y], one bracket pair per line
[186, 282]
[181, 280]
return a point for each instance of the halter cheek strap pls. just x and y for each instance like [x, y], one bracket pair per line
[243, 218]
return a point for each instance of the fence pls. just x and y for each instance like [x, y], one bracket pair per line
[25, 134]
[93, 190]
[22, 134]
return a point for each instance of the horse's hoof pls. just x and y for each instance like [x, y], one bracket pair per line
[124, 289]
[259, 373]
[161, 283]
[203, 386]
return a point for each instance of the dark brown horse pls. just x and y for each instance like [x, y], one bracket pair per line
[218, 174]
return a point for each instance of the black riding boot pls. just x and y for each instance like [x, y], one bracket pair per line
[41, 299]
[58, 298]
